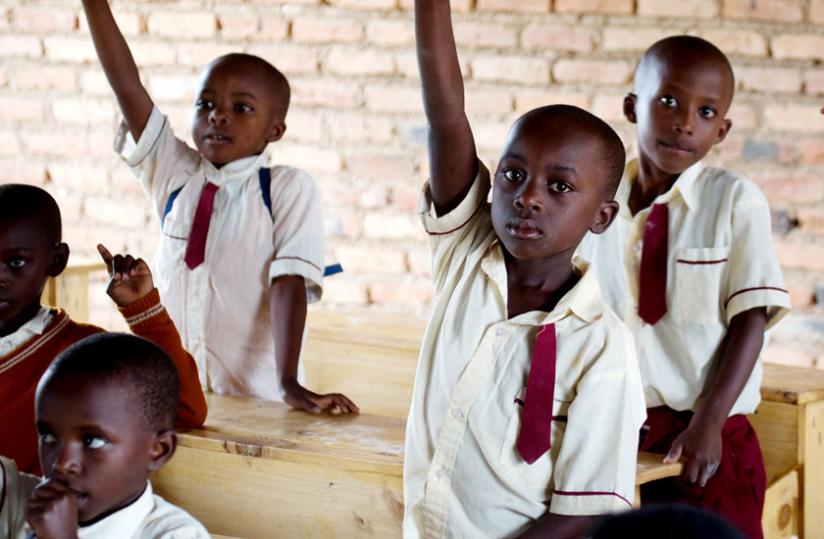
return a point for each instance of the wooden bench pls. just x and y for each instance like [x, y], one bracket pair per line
[70, 289]
[260, 469]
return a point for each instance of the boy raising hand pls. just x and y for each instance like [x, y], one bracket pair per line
[241, 249]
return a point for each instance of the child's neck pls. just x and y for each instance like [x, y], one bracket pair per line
[538, 285]
[650, 183]
[7, 327]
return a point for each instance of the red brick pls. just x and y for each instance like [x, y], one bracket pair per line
[405, 291]
[518, 69]
[764, 10]
[678, 8]
[458, 6]
[173, 87]
[491, 134]
[800, 254]
[377, 259]
[379, 166]
[244, 24]
[56, 142]
[609, 108]
[43, 20]
[23, 170]
[811, 151]
[593, 71]
[358, 128]
[488, 101]
[305, 126]
[372, 196]
[743, 116]
[801, 286]
[390, 32]
[405, 197]
[516, 6]
[326, 93]
[9, 144]
[632, 39]
[4, 76]
[793, 118]
[321, 30]
[791, 187]
[81, 178]
[814, 82]
[45, 77]
[365, 4]
[769, 80]
[182, 24]
[20, 47]
[129, 23]
[811, 219]
[420, 261]
[800, 46]
[615, 7]
[484, 34]
[20, 108]
[201, 54]
[109, 211]
[393, 98]
[152, 53]
[93, 82]
[817, 11]
[315, 159]
[272, 28]
[390, 226]
[743, 42]
[84, 111]
[290, 59]
[346, 61]
[406, 65]
[556, 37]
[526, 100]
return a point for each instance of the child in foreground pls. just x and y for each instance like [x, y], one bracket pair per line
[527, 397]
[31, 335]
[690, 266]
[241, 248]
[105, 418]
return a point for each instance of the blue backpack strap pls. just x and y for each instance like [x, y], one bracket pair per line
[169, 203]
[265, 178]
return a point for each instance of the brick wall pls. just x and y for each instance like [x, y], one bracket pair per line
[356, 119]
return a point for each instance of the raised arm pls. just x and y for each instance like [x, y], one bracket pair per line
[118, 64]
[453, 161]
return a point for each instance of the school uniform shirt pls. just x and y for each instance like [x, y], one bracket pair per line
[463, 476]
[222, 306]
[720, 262]
[31, 329]
[148, 517]
[15, 488]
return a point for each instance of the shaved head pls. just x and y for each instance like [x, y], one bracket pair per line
[275, 81]
[21, 202]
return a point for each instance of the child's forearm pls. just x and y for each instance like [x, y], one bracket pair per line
[742, 345]
[287, 305]
[119, 66]
[452, 154]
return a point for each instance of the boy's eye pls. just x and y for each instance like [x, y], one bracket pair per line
[513, 175]
[560, 187]
[47, 438]
[707, 112]
[204, 104]
[668, 101]
[94, 442]
[17, 263]
[243, 107]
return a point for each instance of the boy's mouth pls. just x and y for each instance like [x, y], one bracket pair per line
[524, 229]
[217, 138]
[676, 147]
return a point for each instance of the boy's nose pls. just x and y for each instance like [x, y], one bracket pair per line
[529, 197]
[683, 124]
[67, 462]
[218, 117]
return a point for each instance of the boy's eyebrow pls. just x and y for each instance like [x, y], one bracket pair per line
[244, 94]
[515, 156]
[562, 168]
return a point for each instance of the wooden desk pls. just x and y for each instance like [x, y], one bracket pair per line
[790, 427]
[70, 290]
[651, 468]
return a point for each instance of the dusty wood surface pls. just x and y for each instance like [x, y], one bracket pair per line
[651, 467]
[777, 427]
[797, 385]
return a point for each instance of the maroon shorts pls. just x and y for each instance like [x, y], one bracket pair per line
[736, 491]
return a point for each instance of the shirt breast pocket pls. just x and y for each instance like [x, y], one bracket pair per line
[699, 274]
[537, 475]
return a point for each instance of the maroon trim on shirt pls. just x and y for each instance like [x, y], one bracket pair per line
[753, 289]
[565, 493]
[3, 492]
[701, 262]
[458, 227]
[298, 258]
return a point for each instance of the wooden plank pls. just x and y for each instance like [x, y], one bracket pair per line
[780, 517]
[812, 498]
[798, 385]
[777, 426]
[70, 290]
[651, 467]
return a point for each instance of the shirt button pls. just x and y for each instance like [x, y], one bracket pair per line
[441, 473]
[457, 414]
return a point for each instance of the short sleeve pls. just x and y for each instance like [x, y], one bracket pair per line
[456, 233]
[297, 232]
[160, 160]
[755, 278]
[595, 468]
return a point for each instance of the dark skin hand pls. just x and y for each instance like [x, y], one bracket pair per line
[287, 305]
[52, 511]
[700, 444]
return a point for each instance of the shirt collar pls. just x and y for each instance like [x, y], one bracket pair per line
[583, 300]
[35, 326]
[123, 523]
[684, 187]
[239, 169]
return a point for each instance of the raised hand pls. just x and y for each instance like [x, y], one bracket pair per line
[129, 278]
[52, 511]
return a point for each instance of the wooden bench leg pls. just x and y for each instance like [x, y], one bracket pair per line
[780, 518]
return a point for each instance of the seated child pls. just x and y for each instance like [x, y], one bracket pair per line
[527, 395]
[241, 248]
[31, 335]
[105, 417]
[691, 268]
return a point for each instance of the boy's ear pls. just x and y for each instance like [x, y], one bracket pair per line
[629, 107]
[723, 130]
[163, 448]
[606, 214]
[276, 131]
[58, 260]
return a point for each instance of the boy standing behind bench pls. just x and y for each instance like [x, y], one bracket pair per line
[527, 396]
[241, 249]
[690, 265]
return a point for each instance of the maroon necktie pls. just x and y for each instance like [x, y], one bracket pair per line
[536, 419]
[652, 286]
[196, 248]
